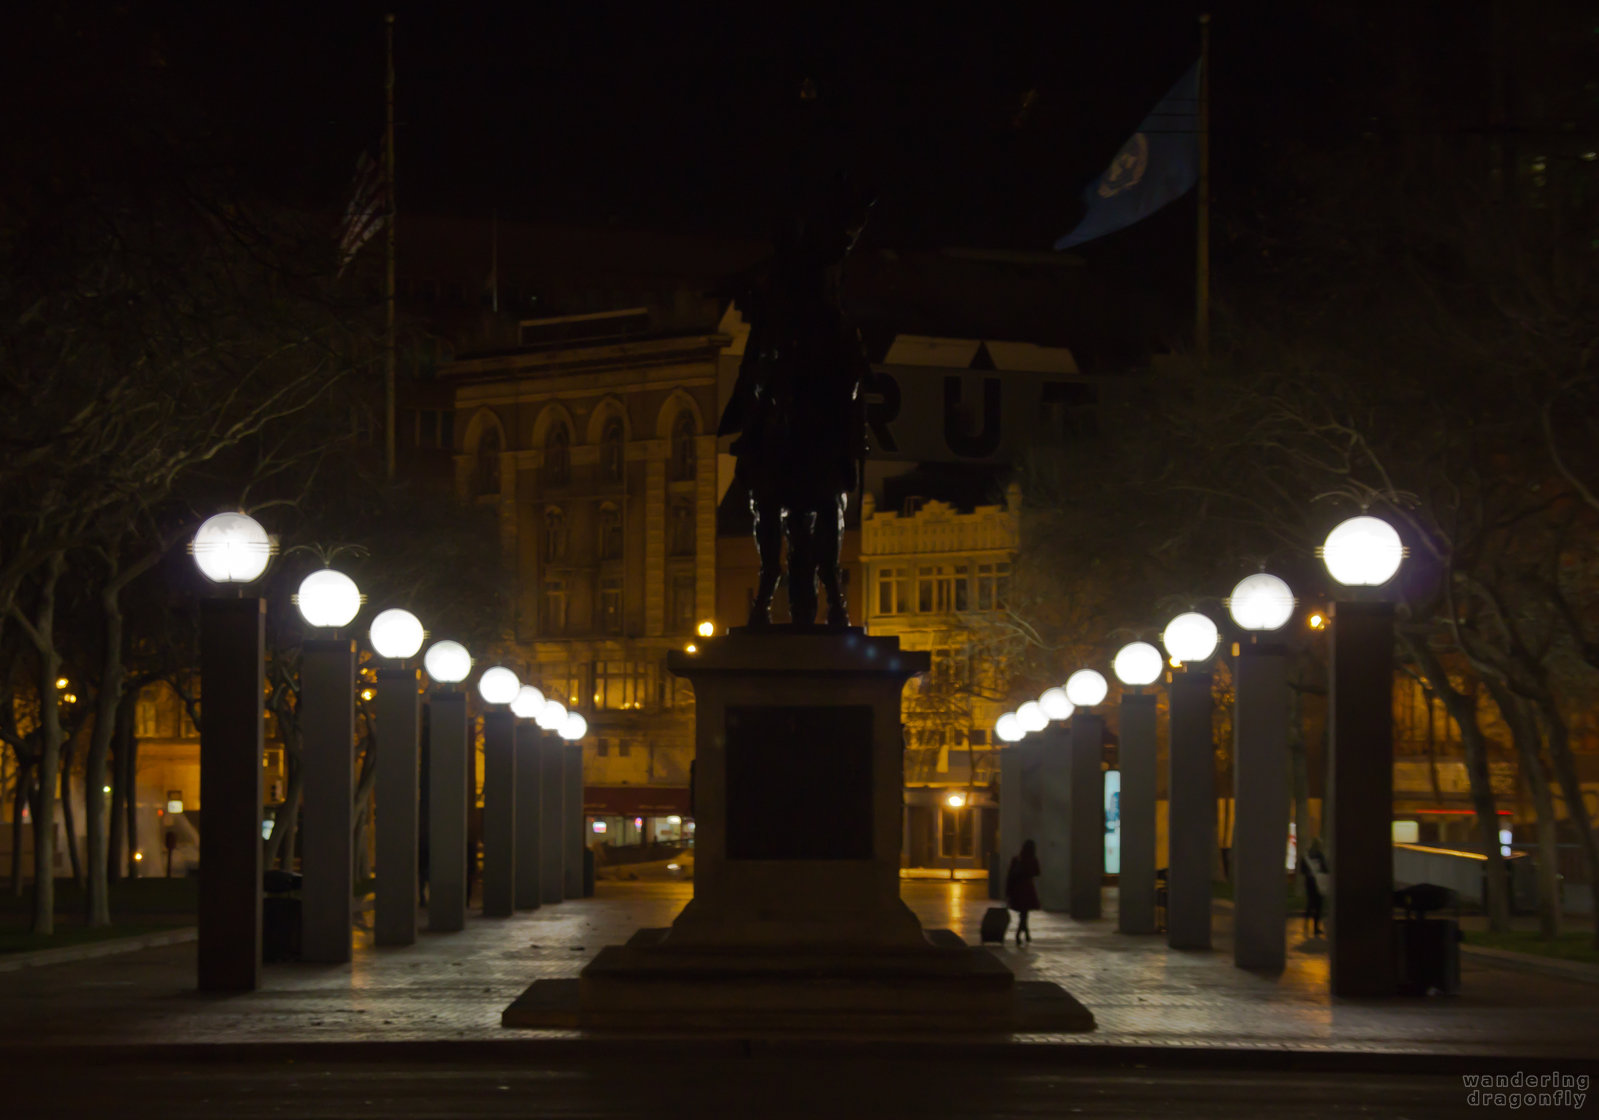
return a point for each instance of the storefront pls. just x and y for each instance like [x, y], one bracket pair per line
[632, 816]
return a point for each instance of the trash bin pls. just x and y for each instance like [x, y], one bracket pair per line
[1428, 947]
[280, 916]
[588, 872]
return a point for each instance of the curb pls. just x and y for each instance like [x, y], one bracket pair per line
[13, 962]
[1531, 962]
[568, 1051]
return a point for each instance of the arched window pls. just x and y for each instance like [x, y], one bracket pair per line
[680, 534]
[610, 533]
[557, 455]
[554, 535]
[486, 469]
[683, 434]
[611, 450]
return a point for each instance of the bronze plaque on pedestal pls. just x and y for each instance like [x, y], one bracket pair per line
[799, 782]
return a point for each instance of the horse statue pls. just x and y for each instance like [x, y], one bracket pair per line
[800, 414]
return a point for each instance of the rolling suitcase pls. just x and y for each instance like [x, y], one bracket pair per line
[996, 920]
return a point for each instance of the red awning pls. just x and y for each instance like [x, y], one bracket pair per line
[635, 801]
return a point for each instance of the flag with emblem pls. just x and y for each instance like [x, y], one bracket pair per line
[367, 210]
[1156, 166]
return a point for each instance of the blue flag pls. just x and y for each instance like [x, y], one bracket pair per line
[1158, 164]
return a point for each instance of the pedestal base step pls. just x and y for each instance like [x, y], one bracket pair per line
[948, 987]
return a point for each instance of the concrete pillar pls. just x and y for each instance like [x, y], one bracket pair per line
[1051, 816]
[232, 676]
[449, 774]
[572, 838]
[1360, 933]
[327, 730]
[499, 814]
[552, 804]
[398, 790]
[1261, 794]
[1191, 831]
[1136, 906]
[527, 815]
[1086, 815]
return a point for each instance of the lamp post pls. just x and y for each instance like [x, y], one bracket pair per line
[526, 707]
[1137, 665]
[1190, 639]
[1260, 604]
[397, 635]
[449, 777]
[231, 548]
[571, 730]
[499, 687]
[1361, 552]
[552, 802]
[1086, 797]
[328, 599]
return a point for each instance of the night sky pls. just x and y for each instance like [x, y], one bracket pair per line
[668, 117]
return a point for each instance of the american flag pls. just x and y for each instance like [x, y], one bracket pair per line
[367, 211]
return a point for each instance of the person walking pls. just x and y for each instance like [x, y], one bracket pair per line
[1314, 867]
[1021, 892]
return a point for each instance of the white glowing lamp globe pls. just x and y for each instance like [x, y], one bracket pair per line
[1009, 728]
[396, 633]
[447, 662]
[231, 548]
[1261, 602]
[1363, 552]
[551, 716]
[528, 703]
[1086, 687]
[498, 685]
[573, 727]
[1056, 704]
[328, 598]
[1190, 637]
[1138, 664]
[1031, 716]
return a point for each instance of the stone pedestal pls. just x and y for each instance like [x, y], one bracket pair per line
[327, 722]
[449, 778]
[796, 921]
[1191, 832]
[529, 813]
[398, 791]
[1261, 794]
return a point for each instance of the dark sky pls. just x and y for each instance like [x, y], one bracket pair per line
[675, 116]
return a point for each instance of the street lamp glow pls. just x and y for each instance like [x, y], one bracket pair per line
[1055, 703]
[528, 703]
[1031, 716]
[328, 598]
[231, 548]
[551, 716]
[1138, 664]
[498, 685]
[447, 662]
[1086, 687]
[955, 800]
[1190, 637]
[396, 633]
[1363, 552]
[573, 727]
[707, 629]
[1009, 728]
[1261, 602]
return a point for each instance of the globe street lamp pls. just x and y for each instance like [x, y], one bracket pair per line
[1086, 794]
[1137, 665]
[1009, 728]
[397, 635]
[328, 599]
[1363, 552]
[1055, 704]
[231, 548]
[449, 780]
[1191, 640]
[1031, 716]
[1260, 604]
[499, 687]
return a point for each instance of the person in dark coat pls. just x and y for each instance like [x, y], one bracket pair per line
[1313, 865]
[1021, 892]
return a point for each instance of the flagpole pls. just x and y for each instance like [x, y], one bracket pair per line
[1202, 231]
[388, 161]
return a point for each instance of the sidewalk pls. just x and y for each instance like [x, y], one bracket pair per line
[451, 988]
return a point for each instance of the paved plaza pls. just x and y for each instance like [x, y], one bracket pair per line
[451, 988]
